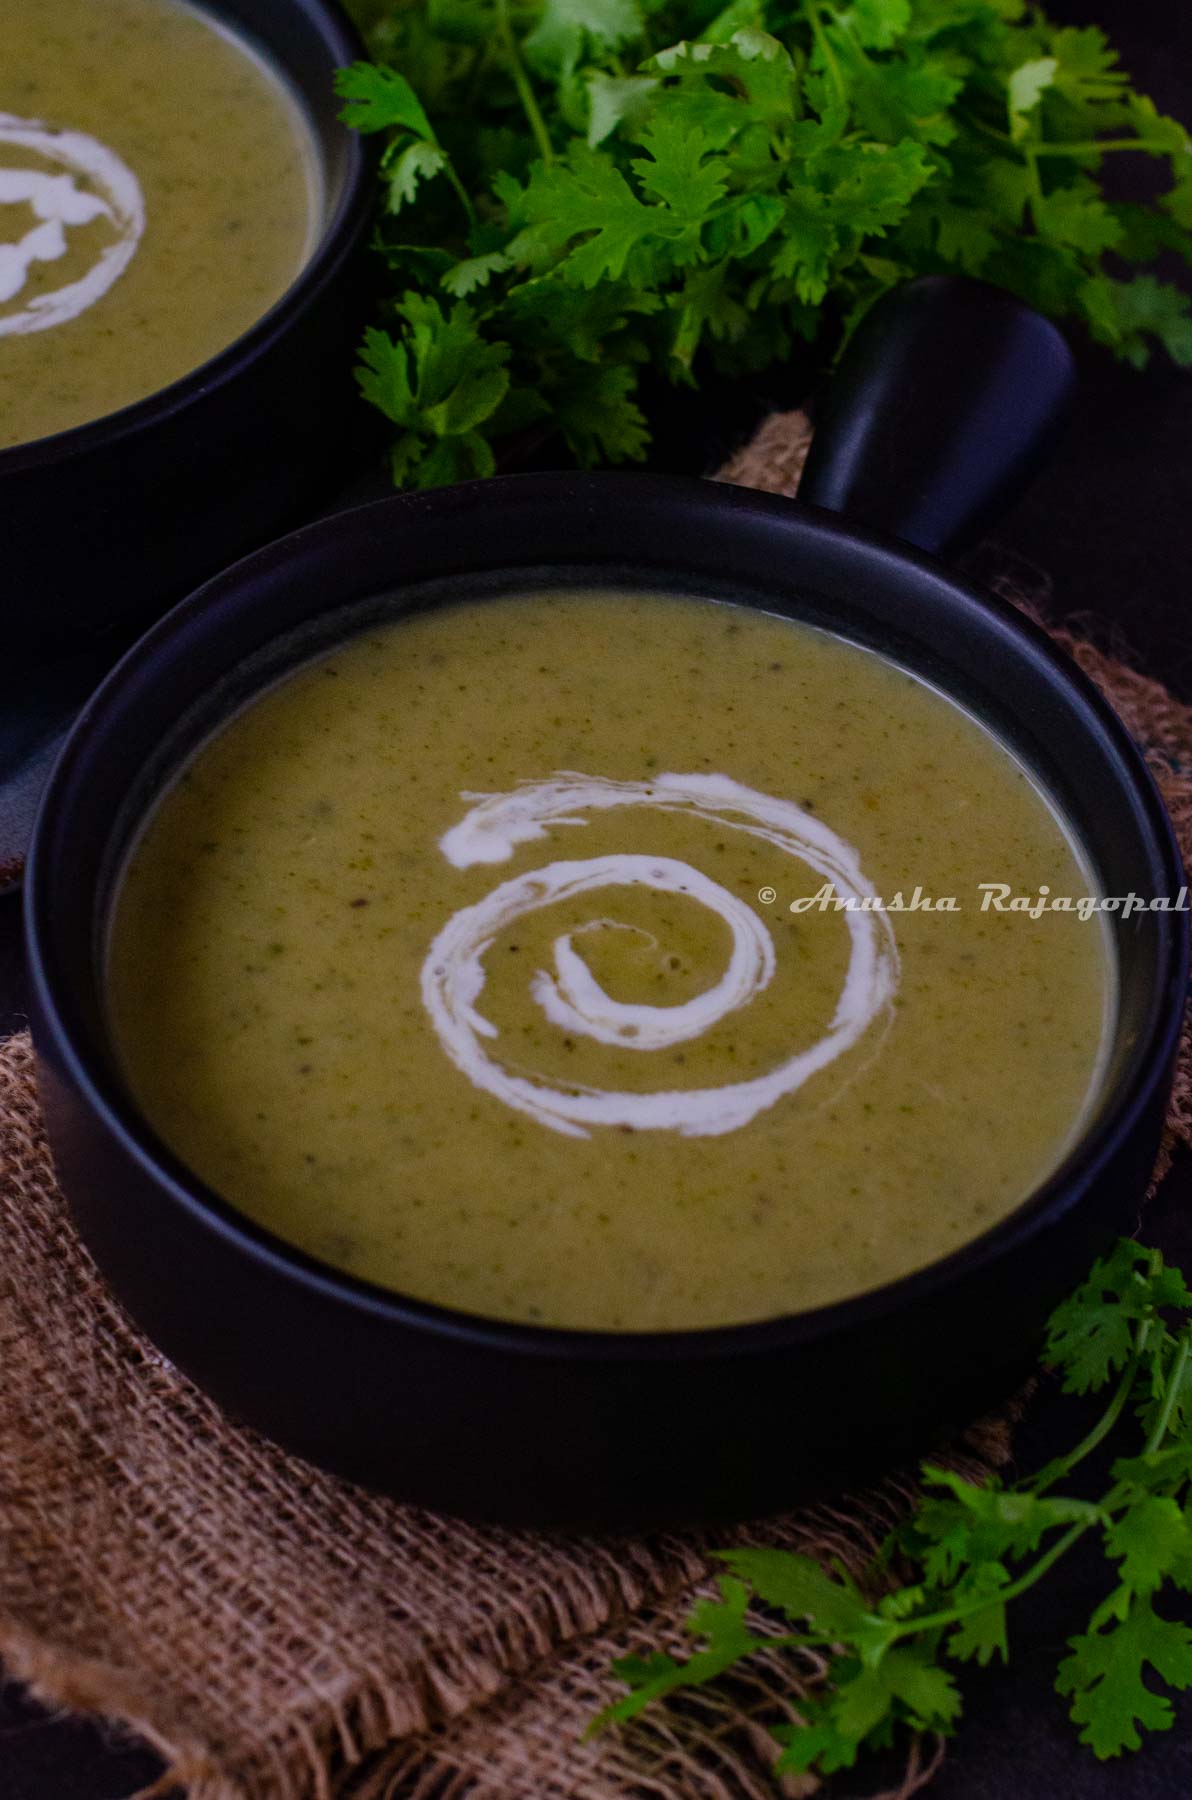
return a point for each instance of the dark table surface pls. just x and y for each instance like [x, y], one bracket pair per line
[1111, 521]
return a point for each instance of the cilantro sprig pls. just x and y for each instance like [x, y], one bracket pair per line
[575, 189]
[970, 1549]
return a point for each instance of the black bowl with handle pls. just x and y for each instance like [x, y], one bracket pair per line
[120, 517]
[541, 1425]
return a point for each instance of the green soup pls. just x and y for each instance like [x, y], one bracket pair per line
[159, 192]
[497, 957]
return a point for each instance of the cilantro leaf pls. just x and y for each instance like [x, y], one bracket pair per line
[981, 1636]
[1104, 1676]
[1091, 1335]
[439, 381]
[808, 242]
[799, 1587]
[1076, 218]
[815, 1743]
[1178, 202]
[908, 99]
[878, 23]
[590, 200]
[964, 235]
[868, 188]
[474, 272]
[721, 1622]
[599, 416]
[615, 100]
[1163, 133]
[1086, 59]
[1153, 1541]
[704, 306]
[558, 38]
[416, 163]
[1124, 314]
[907, 1687]
[1025, 88]
[677, 172]
[984, 1521]
[380, 99]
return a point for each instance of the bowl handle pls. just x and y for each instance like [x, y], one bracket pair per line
[943, 405]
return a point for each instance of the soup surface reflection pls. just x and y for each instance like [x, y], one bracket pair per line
[465, 959]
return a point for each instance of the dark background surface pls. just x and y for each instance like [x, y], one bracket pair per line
[1111, 522]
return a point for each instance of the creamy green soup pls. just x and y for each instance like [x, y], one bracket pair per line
[159, 191]
[465, 959]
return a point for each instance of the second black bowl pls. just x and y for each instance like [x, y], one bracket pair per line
[122, 516]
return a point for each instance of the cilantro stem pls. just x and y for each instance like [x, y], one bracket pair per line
[817, 1640]
[521, 82]
[1179, 1363]
[1002, 138]
[460, 189]
[1077, 147]
[824, 46]
[479, 69]
[1063, 1465]
[1037, 197]
[1095, 147]
[953, 1614]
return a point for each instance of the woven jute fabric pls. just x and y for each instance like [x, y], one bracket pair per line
[280, 1635]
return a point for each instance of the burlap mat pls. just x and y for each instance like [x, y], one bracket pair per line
[276, 1633]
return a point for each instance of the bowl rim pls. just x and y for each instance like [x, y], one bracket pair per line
[340, 227]
[68, 1048]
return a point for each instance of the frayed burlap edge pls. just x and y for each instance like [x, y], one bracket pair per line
[495, 1712]
[103, 1439]
[712, 1744]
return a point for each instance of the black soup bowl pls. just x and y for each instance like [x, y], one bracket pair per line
[162, 493]
[526, 1423]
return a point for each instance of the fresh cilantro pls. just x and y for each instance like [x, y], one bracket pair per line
[733, 179]
[565, 28]
[616, 100]
[1093, 1335]
[969, 1549]
[439, 382]
[1025, 88]
[416, 162]
[1104, 1675]
[379, 99]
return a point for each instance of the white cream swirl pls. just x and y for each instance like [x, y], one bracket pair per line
[58, 203]
[453, 976]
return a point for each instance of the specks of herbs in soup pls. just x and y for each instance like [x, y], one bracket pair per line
[447, 960]
[159, 191]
